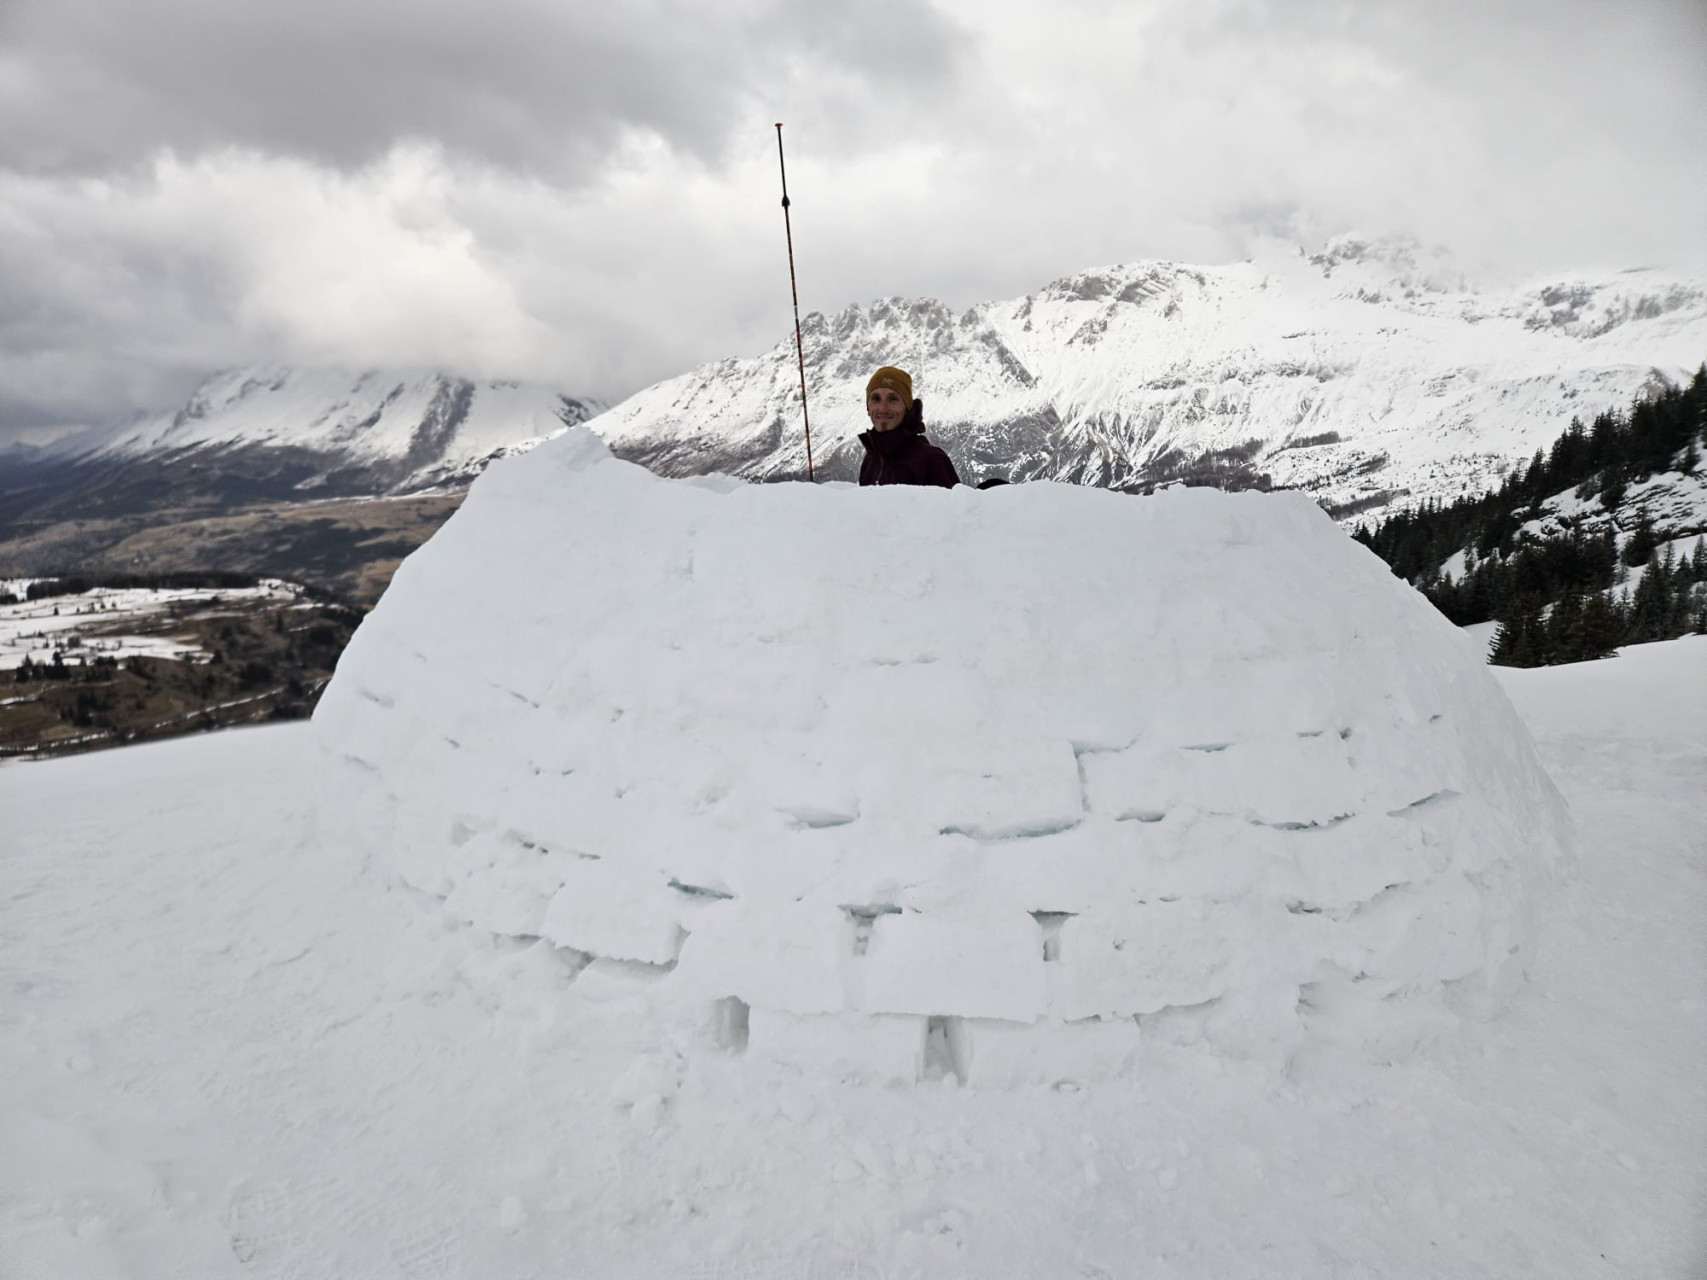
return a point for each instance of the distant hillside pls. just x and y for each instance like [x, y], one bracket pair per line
[115, 659]
[1597, 543]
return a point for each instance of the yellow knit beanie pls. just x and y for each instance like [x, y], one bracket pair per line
[897, 380]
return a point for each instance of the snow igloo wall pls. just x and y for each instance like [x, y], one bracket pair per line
[890, 783]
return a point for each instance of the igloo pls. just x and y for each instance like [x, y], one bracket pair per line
[891, 783]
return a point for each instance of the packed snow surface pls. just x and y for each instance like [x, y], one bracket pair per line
[902, 783]
[228, 1051]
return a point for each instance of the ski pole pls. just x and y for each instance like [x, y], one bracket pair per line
[799, 349]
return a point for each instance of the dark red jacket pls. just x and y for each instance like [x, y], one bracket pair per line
[904, 456]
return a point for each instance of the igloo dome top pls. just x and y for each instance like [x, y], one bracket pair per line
[845, 762]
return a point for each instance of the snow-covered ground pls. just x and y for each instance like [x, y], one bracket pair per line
[115, 622]
[225, 1050]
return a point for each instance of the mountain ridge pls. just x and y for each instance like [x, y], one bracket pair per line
[402, 431]
[1373, 373]
[1370, 374]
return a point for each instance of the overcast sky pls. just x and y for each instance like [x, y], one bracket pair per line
[587, 194]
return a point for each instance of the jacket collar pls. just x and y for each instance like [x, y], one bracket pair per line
[889, 444]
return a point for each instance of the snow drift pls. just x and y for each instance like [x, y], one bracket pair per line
[893, 783]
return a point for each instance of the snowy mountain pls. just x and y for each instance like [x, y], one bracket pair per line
[1374, 375]
[1371, 373]
[284, 439]
[389, 432]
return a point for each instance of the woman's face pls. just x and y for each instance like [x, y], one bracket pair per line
[885, 408]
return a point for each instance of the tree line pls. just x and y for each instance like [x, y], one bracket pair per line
[1566, 596]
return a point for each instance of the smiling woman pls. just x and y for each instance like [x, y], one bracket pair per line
[896, 451]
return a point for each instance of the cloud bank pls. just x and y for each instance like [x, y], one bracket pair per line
[587, 194]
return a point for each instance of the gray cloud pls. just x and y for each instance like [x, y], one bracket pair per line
[91, 85]
[588, 195]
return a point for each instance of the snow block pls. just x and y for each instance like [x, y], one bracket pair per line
[1004, 1055]
[790, 958]
[977, 968]
[867, 1048]
[1114, 964]
[877, 766]
[509, 891]
[608, 909]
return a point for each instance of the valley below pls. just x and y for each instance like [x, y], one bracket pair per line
[347, 546]
[109, 665]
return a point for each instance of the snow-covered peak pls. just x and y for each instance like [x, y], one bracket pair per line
[1588, 306]
[420, 426]
[1134, 283]
[1374, 372]
[1399, 257]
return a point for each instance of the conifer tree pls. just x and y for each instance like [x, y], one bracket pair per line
[1522, 641]
[1599, 630]
[1682, 576]
[1642, 542]
[1564, 627]
[1650, 606]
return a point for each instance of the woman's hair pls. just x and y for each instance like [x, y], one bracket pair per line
[914, 419]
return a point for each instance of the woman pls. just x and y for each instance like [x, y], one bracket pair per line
[896, 451]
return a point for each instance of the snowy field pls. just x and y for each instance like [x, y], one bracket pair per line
[114, 622]
[226, 1051]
